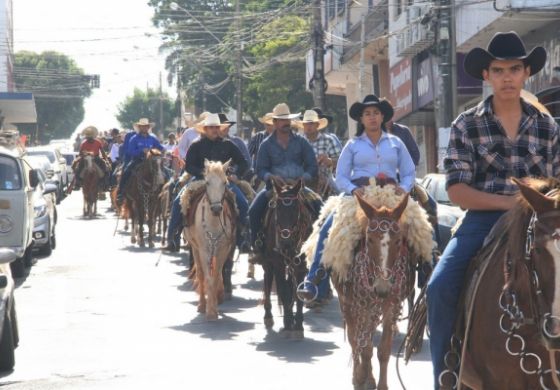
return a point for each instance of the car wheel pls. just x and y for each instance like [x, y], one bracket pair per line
[18, 268]
[7, 355]
[28, 256]
[53, 240]
[14, 322]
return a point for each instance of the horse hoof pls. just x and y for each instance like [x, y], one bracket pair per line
[142, 245]
[151, 245]
[201, 309]
[251, 275]
[371, 385]
[363, 386]
[269, 322]
[212, 317]
[297, 335]
[285, 333]
[227, 296]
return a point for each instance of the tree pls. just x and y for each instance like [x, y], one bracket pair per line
[146, 104]
[59, 87]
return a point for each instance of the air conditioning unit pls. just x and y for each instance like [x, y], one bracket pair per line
[543, 4]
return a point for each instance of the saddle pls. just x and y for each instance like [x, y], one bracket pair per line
[196, 196]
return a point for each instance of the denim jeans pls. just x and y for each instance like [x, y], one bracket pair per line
[446, 283]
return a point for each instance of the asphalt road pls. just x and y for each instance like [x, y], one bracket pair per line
[99, 314]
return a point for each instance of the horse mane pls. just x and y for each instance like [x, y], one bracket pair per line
[516, 221]
[215, 168]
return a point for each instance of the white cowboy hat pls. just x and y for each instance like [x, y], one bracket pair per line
[311, 116]
[267, 119]
[210, 120]
[143, 122]
[90, 131]
[282, 111]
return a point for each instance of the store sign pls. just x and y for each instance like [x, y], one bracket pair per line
[424, 88]
[401, 88]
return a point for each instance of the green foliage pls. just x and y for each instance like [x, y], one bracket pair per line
[146, 104]
[59, 87]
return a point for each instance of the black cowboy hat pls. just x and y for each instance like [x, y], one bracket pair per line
[224, 119]
[383, 105]
[503, 46]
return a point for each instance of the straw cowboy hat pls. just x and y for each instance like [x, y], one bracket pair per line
[530, 98]
[311, 116]
[282, 111]
[90, 132]
[319, 112]
[143, 122]
[357, 109]
[210, 120]
[503, 46]
[266, 119]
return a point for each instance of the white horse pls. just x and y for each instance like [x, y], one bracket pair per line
[212, 236]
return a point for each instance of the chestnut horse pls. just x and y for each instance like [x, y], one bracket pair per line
[212, 237]
[288, 222]
[141, 192]
[514, 322]
[378, 281]
[91, 176]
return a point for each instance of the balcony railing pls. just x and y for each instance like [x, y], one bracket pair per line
[376, 25]
[415, 37]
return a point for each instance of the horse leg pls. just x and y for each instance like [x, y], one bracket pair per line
[384, 349]
[212, 296]
[359, 374]
[133, 222]
[141, 215]
[200, 278]
[284, 295]
[151, 227]
[298, 325]
[226, 276]
[268, 277]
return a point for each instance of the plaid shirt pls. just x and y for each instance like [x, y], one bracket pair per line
[481, 155]
[325, 144]
[254, 145]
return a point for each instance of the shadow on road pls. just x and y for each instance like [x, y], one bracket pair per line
[225, 328]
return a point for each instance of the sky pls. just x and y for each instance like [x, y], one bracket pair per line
[112, 38]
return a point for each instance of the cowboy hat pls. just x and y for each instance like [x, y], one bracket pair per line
[282, 111]
[90, 132]
[321, 115]
[311, 116]
[143, 122]
[224, 119]
[266, 119]
[210, 120]
[383, 105]
[503, 46]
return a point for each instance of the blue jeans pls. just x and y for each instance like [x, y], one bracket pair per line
[446, 283]
[323, 286]
[174, 229]
[126, 172]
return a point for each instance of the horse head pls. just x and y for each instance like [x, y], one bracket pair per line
[287, 204]
[542, 252]
[154, 166]
[216, 182]
[384, 242]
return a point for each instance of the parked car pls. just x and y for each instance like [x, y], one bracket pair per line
[17, 183]
[61, 144]
[58, 163]
[8, 318]
[70, 157]
[44, 206]
[448, 213]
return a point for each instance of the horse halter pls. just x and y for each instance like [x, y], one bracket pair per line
[286, 201]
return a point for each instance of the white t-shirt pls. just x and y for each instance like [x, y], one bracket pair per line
[114, 152]
[189, 136]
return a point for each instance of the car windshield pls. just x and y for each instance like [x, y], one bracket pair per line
[50, 155]
[10, 176]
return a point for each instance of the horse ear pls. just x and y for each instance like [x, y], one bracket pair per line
[226, 165]
[368, 209]
[276, 186]
[206, 163]
[538, 202]
[397, 211]
[298, 186]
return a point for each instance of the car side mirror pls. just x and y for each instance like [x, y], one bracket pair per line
[62, 160]
[50, 188]
[33, 178]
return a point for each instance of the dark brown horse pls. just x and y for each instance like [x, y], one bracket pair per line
[91, 176]
[288, 222]
[141, 192]
[377, 283]
[514, 325]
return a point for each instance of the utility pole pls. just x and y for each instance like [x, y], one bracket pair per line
[318, 83]
[447, 95]
[160, 106]
[239, 85]
[361, 79]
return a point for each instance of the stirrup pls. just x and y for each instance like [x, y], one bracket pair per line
[307, 292]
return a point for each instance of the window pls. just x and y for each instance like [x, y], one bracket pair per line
[49, 155]
[10, 175]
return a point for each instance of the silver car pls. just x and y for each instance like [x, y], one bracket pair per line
[45, 216]
[58, 164]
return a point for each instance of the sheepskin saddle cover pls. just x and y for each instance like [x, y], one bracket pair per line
[191, 197]
[350, 222]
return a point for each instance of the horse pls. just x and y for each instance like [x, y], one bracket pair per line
[141, 193]
[91, 176]
[211, 234]
[164, 210]
[377, 282]
[288, 222]
[510, 328]
[324, 185]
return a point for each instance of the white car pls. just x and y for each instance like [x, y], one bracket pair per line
[58, 164]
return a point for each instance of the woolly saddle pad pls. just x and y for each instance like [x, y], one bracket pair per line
[349, 224]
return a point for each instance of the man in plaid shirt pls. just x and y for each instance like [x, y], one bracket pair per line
[503, 137]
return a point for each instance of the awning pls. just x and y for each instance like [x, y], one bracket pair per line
[18, 107]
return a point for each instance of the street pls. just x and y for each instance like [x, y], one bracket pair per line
[99, 314]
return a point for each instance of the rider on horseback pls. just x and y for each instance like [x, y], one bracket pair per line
[211, 147]
[504, 136]
[372, 153]
[284, 155]
[137, 145]
[93, 146]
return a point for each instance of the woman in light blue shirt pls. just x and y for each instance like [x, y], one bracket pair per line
[372, 153]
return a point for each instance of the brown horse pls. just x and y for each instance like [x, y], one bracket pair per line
[212, 237]
[373, 292]
[514, 321]
[141, 192]
[91, 176]
[288, 222]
